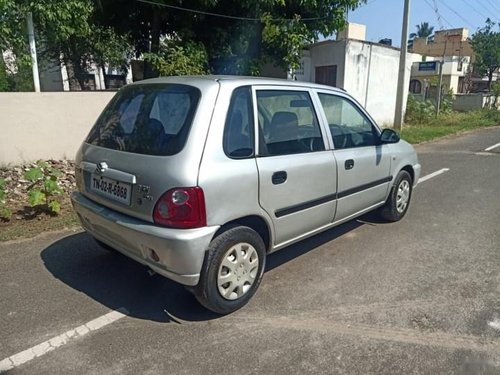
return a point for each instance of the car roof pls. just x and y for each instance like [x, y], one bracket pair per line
[243, 80]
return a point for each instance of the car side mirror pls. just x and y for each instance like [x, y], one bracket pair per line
[389, 136]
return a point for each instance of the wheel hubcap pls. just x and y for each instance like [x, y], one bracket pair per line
[237, 271]
[403, 196]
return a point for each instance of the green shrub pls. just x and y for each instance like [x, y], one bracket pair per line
[5, 213]
[177, 58]
[44, 187]
[418, 110]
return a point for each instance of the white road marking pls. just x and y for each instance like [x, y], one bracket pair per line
[492, 147]
[495, 324]
[55, 342]
[433, 174]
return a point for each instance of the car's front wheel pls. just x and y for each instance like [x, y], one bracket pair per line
[232, 270]
[399, 199]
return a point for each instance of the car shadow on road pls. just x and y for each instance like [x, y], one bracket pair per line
[118, 282]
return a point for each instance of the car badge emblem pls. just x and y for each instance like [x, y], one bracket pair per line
[101, 167]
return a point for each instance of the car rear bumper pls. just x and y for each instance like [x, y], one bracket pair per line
[180, 251]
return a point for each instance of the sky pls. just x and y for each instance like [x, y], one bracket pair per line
[383, 18]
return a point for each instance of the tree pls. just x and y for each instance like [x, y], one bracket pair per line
[424, 30]
[176, 58]
[486, 45]
[66, 31]
[238, 36]
[4, 78]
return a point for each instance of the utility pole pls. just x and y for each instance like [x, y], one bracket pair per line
[441, 65]
[34, 63]
[398, 115]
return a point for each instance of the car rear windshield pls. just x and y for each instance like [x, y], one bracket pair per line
[151, 119]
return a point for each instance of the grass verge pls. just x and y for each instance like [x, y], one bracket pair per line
[449, 124]
[30, 228]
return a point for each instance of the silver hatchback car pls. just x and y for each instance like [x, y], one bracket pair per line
[199, 178]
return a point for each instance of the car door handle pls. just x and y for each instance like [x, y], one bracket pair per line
[349, 164]
[279, 177]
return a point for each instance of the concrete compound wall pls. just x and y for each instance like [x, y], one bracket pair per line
[470, 102]
[46, 125]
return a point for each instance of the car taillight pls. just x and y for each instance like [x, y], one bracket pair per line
[181, 208]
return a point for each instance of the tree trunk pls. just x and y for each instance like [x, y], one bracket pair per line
[103, 67]
[490, 78]
[155, 33]
[74, 83]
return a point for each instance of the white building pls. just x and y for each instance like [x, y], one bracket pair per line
[366, 70]
[54, 77]
[425, 74]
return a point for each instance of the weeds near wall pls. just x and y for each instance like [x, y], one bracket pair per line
[5, 213]
[420, 110]
[45, 187]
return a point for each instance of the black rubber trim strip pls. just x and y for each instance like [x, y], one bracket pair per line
[304, 206]
[357, 189]
[328, 198]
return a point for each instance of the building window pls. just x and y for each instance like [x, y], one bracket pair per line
[415, 86]
[327, 75]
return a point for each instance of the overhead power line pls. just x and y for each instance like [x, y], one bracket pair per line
[492, 4]
[491, 8]
[474, 9]
[438, 15]
[225, 15]
[458, 14]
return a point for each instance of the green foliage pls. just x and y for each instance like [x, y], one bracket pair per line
[13, 27]
[286, 38]
[44, 187]
[289, 27]
[4, 78]
[495, 89]
[486, 45]
[5, 213]
[83, 32]
[176, 58]
[423, 30]
[67, 31]
[418, 111]
[265, 31]
[449, 123]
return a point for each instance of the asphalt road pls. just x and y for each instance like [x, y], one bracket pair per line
[418, 296]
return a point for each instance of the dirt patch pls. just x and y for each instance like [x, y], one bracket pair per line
[29, 221]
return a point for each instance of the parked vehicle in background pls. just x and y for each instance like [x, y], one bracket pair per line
[199, 178]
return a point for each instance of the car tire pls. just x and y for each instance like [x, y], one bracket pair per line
[398, 202]
[232, 270]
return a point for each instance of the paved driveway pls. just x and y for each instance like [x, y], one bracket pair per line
[418, 296]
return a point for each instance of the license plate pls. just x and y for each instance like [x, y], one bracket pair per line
[112, 189]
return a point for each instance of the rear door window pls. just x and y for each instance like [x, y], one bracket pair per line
[147, 119]
[287, 123]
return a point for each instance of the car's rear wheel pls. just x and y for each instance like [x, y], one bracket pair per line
[399, 199]
[232, 270]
